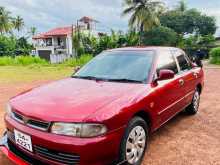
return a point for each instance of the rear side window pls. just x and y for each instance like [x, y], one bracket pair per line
[166, 61]
[183, 62]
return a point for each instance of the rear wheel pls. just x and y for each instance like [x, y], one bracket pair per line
[193, 108]
[134, 143]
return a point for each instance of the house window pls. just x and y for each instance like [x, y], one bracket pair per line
[59, 41]
[49, 42]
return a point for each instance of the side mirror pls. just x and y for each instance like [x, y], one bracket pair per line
[165, 74]
[76, 69]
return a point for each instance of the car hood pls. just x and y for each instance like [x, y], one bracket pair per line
[71, 100]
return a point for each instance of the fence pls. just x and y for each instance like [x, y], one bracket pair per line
[58, 58]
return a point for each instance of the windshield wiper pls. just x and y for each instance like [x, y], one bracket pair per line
[89, 78]
[126, 80]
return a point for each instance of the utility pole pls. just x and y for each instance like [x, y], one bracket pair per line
[78, 38]
[72, 38]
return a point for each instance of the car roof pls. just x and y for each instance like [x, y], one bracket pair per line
[145, 48]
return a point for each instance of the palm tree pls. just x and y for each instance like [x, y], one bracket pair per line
[143, 13]
[18, 23]
[5, 21]
[33, 31]
[182, 6]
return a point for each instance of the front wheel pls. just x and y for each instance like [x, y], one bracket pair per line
[193, 108]
[134, 142]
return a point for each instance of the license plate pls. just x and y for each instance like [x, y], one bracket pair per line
[23, 140]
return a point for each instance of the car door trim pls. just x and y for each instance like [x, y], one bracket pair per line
[171, 105]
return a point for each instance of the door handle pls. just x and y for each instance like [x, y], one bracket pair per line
[181, 81]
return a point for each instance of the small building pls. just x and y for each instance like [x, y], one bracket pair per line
[56, 44]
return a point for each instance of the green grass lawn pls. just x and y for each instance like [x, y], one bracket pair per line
[29, 74]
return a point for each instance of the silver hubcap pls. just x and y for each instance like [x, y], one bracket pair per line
[135, 144]
[196, 100]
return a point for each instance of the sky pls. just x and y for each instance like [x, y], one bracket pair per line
[47, 14]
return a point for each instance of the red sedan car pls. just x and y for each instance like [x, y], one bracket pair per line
[104, 113]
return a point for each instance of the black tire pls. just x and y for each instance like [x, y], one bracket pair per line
[192, 109]
[136, 122]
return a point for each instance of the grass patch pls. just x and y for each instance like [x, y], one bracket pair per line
[34, 73]
[36, 61]
[21, 60]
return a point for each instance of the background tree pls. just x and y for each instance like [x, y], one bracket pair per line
[33, 30]
[181, 6]
[18, 23]
[143, 13]
[188, 22]
[7, 46]
[5, 21]
[160, 36]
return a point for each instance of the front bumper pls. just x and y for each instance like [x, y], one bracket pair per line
[14, 154]
[92, 151]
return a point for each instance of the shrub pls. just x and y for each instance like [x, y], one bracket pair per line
[21, 60]
[7, 46]
[36, 61]
[27, 60]
[215, 56]
[6, 61]
[82, 60]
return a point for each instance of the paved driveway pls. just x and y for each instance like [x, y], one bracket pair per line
[185, 140]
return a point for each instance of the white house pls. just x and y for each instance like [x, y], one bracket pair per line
[56, 44]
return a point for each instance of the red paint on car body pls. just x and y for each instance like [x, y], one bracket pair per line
[110, 103]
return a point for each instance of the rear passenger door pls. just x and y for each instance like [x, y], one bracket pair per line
[188, 76]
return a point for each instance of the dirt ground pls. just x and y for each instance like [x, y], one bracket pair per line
[185, 140]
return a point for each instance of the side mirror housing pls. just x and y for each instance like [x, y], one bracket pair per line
[165, 74]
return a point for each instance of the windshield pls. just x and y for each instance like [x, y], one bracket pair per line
[118, 66]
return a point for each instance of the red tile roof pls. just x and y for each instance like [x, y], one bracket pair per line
[55, 32]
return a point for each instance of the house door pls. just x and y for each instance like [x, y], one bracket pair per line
[44, 54]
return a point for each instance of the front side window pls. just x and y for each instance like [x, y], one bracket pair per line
[119, 65]
[166, 61]
[183, 62]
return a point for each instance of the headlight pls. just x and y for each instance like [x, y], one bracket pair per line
[8, 109]
[78, 130]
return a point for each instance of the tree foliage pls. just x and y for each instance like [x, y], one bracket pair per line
[5, 21]
[18, 23]
[160, 36]
[215, 55]
[10, 46]
[95, 45]
[143, 13]
[189, 22]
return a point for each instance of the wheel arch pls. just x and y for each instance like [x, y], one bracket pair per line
[146, 117]
[199, 87]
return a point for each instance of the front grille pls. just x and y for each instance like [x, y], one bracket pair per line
[38, 124]
[64, 158]
[41, 125]
[17, 117]
[13, 148]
